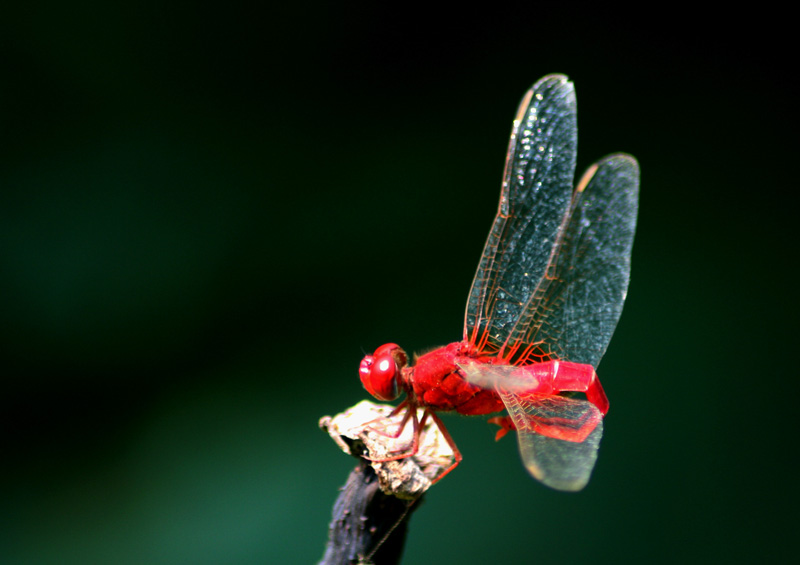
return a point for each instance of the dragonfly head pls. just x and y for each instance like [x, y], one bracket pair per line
[380, 373]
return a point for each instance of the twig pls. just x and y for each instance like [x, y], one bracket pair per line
[368, 526]
[370, 517]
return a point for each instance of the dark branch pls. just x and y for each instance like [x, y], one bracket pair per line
[371, 515]
[367, 524]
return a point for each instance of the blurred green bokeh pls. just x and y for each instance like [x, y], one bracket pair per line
[208, 215]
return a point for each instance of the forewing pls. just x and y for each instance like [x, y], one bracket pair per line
[562, 464]
[534, 200]
[575, 309]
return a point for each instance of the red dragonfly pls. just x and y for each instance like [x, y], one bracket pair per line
[546, 298]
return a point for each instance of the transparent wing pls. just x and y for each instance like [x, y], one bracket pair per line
[574, 311]
[506, 377]
[543, 412]
[535, 198]
[558, 437]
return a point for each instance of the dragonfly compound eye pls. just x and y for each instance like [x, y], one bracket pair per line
[379, 373]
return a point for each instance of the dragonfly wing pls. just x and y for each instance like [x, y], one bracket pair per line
[502, 377]
[575, 309]
[558, 437]
[535, 198]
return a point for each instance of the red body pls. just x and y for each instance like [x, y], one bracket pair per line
[458, 378]
[437, 383]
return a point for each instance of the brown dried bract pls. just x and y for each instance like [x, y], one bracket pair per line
[364, 430]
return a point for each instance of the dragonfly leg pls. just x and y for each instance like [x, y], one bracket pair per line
[418, 424]
[506, 425]
[411, 414]
[449, 439]
[400, 427]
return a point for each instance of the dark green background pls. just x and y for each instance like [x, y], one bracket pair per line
[208, 215]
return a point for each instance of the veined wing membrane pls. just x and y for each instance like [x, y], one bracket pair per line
[506, 377]
[535, 197]
[545, 413]
[561, 464]
[576, 307]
